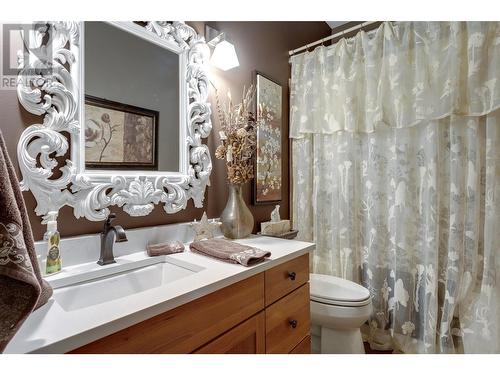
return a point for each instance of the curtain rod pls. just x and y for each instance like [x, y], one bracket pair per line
[340, 33]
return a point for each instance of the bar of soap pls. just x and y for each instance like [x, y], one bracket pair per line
[170, 247]
[275, 228]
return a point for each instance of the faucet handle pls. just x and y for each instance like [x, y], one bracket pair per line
[110, 218]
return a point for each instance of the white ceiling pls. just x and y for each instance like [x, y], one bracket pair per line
[334, 24]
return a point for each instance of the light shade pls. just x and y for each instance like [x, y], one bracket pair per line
[224, 56]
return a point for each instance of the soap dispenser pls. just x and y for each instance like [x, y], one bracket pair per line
[53, 263]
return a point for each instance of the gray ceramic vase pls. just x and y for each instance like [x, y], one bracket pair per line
[237, 220]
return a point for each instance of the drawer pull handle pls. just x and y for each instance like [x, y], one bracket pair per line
[292, 275]
[293, 323]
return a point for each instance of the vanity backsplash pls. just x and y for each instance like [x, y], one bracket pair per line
[85, 249]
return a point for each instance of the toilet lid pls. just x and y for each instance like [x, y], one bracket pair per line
[336, 291]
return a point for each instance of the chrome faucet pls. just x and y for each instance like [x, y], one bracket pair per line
[110, 234]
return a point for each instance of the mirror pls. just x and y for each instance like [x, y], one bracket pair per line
[125, 112]
[131, 111]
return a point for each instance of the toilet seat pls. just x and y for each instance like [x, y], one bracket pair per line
[334, 291]
[341, 303]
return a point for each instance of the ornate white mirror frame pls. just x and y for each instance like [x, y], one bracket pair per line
[58, 97]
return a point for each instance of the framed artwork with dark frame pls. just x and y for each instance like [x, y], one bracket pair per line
[268, 158]
[120, 136]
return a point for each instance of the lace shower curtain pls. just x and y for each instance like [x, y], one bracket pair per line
[396, 177]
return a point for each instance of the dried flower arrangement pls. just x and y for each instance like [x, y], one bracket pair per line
[238, 137]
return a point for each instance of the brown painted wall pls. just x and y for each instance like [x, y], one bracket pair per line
[261, 46]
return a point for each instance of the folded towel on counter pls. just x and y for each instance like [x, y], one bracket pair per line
[21, 284]
[229, 251]
[166, 248]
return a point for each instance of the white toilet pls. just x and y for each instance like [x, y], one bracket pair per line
[338, 309]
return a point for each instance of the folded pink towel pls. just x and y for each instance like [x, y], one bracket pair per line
[229, 251]
[166, 248]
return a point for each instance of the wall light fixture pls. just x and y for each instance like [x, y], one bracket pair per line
[224, 55]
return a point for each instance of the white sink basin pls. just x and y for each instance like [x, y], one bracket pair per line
[118, 285]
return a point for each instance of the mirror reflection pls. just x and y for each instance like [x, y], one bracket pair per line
[131, 111]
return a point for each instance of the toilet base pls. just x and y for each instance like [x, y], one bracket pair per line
[332, 341]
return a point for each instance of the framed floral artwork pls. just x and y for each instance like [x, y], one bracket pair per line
[119, 136]
[268, 159]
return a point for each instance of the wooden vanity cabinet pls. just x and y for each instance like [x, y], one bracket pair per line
[265, 313]
[189, 326]
[285, 277]
[246, 338]
[287, 321]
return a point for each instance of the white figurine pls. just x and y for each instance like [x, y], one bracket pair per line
[204, 228]
[275, 215]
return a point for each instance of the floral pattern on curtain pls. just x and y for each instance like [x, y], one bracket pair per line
[411, 210]
[403, 75]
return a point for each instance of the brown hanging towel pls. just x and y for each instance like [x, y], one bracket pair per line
[22, 288]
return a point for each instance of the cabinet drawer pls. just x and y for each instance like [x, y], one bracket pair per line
[286, 277]
[189, 326]
[304, 347]
[288, 321]
[246, 338]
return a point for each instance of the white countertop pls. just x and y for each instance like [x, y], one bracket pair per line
[51, 329]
